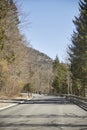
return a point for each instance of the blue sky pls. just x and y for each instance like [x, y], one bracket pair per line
[51, 25]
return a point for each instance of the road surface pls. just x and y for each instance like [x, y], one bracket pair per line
[44, 113]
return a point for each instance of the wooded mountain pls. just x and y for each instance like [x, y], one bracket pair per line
[40, 69]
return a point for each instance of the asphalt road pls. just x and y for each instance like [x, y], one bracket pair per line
[44, 113]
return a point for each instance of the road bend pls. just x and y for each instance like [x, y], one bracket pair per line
[44, 113]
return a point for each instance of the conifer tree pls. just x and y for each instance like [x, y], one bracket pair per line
[60, 77]
[78, 51]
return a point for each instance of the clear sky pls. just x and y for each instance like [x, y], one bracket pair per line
[51, 25]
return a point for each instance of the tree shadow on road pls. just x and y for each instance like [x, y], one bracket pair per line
[27, 122]
[48, 101]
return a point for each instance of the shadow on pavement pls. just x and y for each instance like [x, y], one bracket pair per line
[48, 101]
[20, 125]
[42, 116]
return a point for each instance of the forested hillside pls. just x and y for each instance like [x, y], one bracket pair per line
[23, 68]
[19, 64]
[13, 53]
[41, 71]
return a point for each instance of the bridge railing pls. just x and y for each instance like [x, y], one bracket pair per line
[80, 101]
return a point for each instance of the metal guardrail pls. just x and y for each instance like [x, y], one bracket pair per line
[80, 101]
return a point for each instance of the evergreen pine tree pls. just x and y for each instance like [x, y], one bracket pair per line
[60, 77]
[78, 51]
